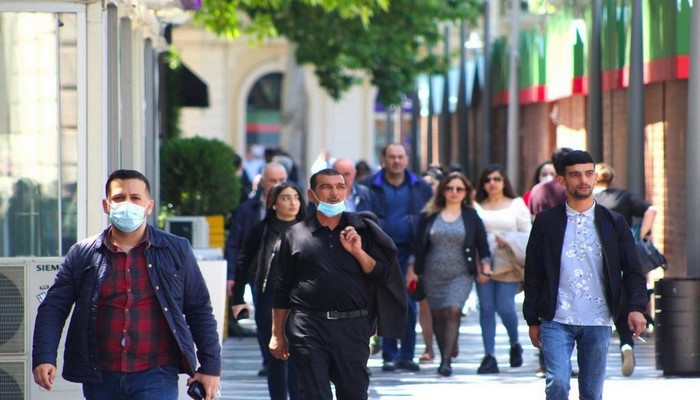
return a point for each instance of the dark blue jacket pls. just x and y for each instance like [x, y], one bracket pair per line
[475, 246]
[420, 193]
[247, 215]
[543, 263]
[180, 289]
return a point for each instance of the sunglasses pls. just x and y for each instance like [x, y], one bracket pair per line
[457, 189]
[493, 178]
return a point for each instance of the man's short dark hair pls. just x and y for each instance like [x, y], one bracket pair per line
[393, 144]
[123, 174]
[557, 156]
[575, 157]
[326, 172]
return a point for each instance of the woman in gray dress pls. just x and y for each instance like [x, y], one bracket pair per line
[449, 242]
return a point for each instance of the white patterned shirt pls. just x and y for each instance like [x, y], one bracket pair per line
[581, 296]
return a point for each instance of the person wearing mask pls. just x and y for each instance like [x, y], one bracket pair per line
[450, 238]
[400, 196]
[359, 197]
[579, 258]
[338, 281]
[248, 214]
[630, 206]
[543, 173]
[550, 193]
[507, 222]
[140, 306]
[285, 207]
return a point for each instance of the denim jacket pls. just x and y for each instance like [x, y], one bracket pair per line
[179, 287]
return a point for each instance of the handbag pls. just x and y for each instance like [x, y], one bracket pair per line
[650, 257]
[416, 292]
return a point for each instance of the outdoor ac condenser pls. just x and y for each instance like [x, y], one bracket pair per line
[23, 286]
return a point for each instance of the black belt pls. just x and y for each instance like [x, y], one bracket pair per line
[336, 314]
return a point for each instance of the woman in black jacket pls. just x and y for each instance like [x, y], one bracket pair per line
[285, 207]
[450, 240]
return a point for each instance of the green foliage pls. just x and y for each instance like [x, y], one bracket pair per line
[198, 177]
[389, 45]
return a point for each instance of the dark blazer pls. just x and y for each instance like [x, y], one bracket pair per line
[247, 215]
[391, 308]
[476, 247]
[543, 262]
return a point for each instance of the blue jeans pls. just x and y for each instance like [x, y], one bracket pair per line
[497, 297]
[390, 347]
[155, 383]
[557, 345]
[281, 374]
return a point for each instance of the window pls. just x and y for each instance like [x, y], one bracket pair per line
[39, 120]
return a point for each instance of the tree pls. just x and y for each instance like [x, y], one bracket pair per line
[344, 38]
[198, 177]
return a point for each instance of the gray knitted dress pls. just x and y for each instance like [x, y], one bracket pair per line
[445, 280]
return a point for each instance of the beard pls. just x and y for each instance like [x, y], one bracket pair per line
[581, 193]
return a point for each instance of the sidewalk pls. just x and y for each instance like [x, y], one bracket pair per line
[241, 358]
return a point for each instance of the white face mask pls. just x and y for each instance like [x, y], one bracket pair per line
[127, 217]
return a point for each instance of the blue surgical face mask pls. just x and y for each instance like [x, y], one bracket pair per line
[328, 209]
[127, 217]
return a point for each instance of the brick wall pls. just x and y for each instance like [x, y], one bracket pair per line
[674, 105]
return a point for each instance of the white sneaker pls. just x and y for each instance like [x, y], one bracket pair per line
[627, 360]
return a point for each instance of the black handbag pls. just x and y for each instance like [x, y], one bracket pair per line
[650, 257]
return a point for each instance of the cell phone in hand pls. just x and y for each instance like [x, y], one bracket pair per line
[243, 314]
[196, 390]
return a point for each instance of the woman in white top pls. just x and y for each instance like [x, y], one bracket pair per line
[507, 223]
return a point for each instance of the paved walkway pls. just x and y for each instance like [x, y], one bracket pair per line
[241, 359]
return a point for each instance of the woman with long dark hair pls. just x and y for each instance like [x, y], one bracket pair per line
[285, 207]
[450, 242]
[507, 222]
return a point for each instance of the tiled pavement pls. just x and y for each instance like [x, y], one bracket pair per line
[242, 360]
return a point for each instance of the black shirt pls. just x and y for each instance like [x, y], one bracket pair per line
[315, 272]
[621, 201]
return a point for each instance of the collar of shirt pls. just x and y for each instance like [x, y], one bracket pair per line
[590, 213]
[315, 225]
[109, 243]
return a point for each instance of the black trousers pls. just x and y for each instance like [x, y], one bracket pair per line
[326, 351]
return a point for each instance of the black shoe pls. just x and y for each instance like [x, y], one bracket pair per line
[488, 365]
[445, 370]
[407, 365]
[389, 366]
[263, 371]
[516, 355]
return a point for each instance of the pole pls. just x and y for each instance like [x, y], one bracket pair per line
[635, 105]
[595, 91]
[462, 116]
[484, 156]
[445, 137]
[512, 135]
[692, 177]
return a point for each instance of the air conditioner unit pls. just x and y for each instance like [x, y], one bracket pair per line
[194, 229]
[23, 286]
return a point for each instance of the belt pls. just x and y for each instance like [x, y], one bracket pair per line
[336, 314]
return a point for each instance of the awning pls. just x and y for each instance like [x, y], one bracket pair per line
[193, 92]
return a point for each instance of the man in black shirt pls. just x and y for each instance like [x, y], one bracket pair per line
[329, 274]
[635, 209]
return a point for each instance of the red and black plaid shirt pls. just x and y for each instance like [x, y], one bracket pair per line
[132, 333]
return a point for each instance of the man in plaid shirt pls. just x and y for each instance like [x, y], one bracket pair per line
[140, 306]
